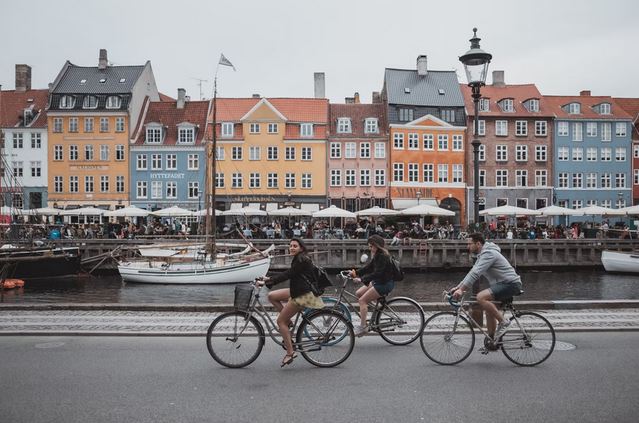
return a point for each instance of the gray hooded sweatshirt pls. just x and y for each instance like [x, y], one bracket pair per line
[493, 266]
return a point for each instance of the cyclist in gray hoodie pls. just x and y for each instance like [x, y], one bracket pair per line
[504, 281]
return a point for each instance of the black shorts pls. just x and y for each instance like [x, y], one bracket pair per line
[384, 288]
[504, 290]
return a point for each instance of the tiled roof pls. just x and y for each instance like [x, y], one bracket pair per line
[166, 113]
[13, 103]
[424, 90]
[309, 110]
[630, 105]
[556, 102]
[357, 113]
[164, 97]
[71, 81]
[519, 94]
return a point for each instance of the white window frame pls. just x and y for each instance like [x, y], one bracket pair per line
[442, 173]
[141, 189]
[429, 142]
[521, 128]
[563, 129]
[380, 177]
[620, 129]
[307, 154]
[349, 177]
[306, 130]
[364, 150]
[336, 150]
[344, 125]
[521, 153]
[413, 141]
[591, 129]
[541, 153]
[255, 152]
[141, 162]
[458, 143]
[371, 126]
[193, 162]
[336, 177]
[501, 153]
[227, 129]
[428, 172]
[380, 150]
[501, 128]
[398, 141]
[273, 128]
[350, 150]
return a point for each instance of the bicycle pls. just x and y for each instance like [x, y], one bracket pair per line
[325, 338]
[449, 337]
[398, 320]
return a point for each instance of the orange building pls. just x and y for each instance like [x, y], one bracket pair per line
[426, 166]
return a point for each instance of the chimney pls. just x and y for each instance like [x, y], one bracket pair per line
[256, 96]
[377, 98]
[498, 78]
[23, 77]
[349, 100]
[584, 93]
[181, 98]
[356, 98]
[422, 68]
[320, 85]
[103, 62]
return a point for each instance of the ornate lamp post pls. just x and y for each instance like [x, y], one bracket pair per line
[476, 63]
[418, 194]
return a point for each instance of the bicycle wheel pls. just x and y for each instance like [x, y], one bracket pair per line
[234, 339]
[530, 339]
[330, 338]
[400, 322]
[330, 303]
[448, 338]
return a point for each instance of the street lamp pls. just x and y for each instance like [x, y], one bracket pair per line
[476, 63]
[418, 194]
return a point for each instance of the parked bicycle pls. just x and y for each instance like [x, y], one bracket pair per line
[398, 320]
[449, 336]
[324, 337]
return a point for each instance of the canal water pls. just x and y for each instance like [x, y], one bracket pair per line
[426, 286]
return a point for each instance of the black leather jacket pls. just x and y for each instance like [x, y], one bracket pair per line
[377, 270]
[300, 272]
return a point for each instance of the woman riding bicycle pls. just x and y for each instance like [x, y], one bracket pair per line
[377, 277]
[297, 297]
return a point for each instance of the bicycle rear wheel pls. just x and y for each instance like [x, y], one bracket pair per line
[234, 339]
[448, 338]
[400, 322]
[530, 339]
[325, 338]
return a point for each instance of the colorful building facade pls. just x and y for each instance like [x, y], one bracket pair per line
[631, 106]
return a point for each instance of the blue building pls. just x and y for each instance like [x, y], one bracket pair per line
[592, 152]
[168, 154]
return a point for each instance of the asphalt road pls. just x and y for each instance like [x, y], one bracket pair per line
[173, 379]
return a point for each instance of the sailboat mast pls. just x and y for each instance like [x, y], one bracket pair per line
[210, 177]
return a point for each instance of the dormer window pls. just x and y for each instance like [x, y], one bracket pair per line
[227, 129]
[574, 108]
[186, 134]
[67, 102]
[533, 105]
[484, 104]
[306, 130]
[344, 125]
[90, 102]
[371, 126]
[154, 134]
[507, 105]
[113, 102]
[604, 109]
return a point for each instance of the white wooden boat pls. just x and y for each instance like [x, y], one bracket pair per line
[616, 261]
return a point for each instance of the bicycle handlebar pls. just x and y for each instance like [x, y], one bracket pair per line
[453, 302]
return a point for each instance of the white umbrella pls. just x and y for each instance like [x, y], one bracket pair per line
[203, 212]
[377, 211]
[45, 211]
[557, 211]
[84, 211]
[334, 211]
[289, 212]
[173, 211]
[599, 211]
[129, 211]
[631, 210]
[244, 211]
[4, 210]
[509, 211]
[426, 210]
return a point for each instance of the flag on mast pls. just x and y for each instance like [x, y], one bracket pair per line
[226, 62]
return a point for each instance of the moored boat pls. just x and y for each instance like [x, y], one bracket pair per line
[40, 262]
[617, 261]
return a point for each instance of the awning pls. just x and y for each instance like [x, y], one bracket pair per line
[271, 206]
[311, 207]
[255, 206]
[235, 206]
[401, 204]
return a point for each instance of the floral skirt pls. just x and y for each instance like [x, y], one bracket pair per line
[308, 300]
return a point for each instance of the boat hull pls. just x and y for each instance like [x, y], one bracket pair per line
[620, 262]
[42, 263]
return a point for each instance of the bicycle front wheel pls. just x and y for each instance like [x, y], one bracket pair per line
[529, 340]
[400, 322]
[448, 338]
[234, 339]
[325, 338]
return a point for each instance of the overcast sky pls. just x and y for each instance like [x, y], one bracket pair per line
[276, 45]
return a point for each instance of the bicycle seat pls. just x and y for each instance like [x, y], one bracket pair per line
[509, 300]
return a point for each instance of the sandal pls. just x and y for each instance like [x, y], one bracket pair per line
[288, 359]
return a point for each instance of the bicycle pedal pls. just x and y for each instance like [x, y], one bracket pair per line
[484, 351]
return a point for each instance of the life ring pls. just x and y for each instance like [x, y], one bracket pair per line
[13, 283]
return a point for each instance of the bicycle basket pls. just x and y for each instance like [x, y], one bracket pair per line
[243, 294]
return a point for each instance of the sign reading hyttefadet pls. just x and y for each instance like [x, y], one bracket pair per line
[167, 176]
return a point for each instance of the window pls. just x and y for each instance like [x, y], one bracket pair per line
[350, 151]
[74, 184]
[193, 162]
[405, 115]
[562, 180]
[521, 178]
[484, 104]
[194, 189]
[88, 184]
[349, 177]
[57, 153]
[604, 108]
[620, 154]
[119, 124]
[521, 153]
[521, 202]
[380, 177]
[156, 189]
[380, 150]
[577, 131]
[336, 177]
[635, 151]
[171, 162]
[119, 152]
[289, 180]
[429, 142]
[219, 180]
[186, 135]
[541, 128]
[501, 128]
[88, 152]
[606, 180]
[17, 140]
[104, 152]
[620, 180]
[591, 154]
[306, 130]
[442, 142]
[413, 141]
[398, 141]
[501, 177]
[591, 180]
[606, 129]
[58, 183]
[67, 102]
[272, 180]
[574, 108]
[428, 172]
[620, 203]
[153, 135]
[591, 129]
[236, 153]
[113, 102]
[290, 153]
[36, 169]
[254, 180]
[541, 153]
[307, 181]
[442, 173]
[481, 127]
[507, 105]
[521, 128]
[482, 153]
[502, 202]
[90, 102]
[36, 140]
[577, 180]
[577, 154]
[307, 153]
[562, 154]
[448, 115]
[104, 124]
[73, 124]
[236, 180]
[562, 129]
[413, 172]
[482, 178]
[541, 178]
[343, 125]
[73, 152]
[171, 189]
[336, 150]
[254, 153]
[458, 143]
[272, 153]
[533, 105]
[620, 129]
[370, 126]
[104, 183]
[254, 128]
[141, 162]
[156, 162]
[398, 172]
[227, 129]
[219, 153]
[458, 173]
[57, 125]
[501, 153]
[272, 128]
[606, 154]
[577, 204]
[88, 124]
[636, 177]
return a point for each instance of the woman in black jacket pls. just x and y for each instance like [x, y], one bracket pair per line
[376, 275]
[297, 297]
